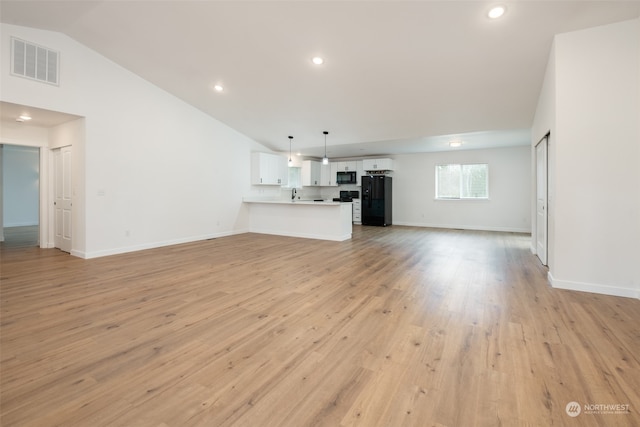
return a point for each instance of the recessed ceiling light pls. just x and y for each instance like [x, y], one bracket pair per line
[455, 143]
[218, 88]
[24, 118]
[496, 12]
[317, 60]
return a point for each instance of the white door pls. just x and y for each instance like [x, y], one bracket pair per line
[541, 200]
[62, 198]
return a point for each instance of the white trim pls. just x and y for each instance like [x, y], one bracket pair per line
[465, 227]
[22, 143]
[43, 195]
[593, 288]
[534, 226]
[127, 249]
[20, 224]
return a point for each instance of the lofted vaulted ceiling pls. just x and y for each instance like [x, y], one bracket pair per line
[398, 76]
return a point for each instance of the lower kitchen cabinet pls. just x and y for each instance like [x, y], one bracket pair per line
[357, 211]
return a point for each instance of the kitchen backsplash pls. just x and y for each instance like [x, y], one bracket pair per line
[317, 192]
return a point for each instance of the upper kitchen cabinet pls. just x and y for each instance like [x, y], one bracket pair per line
[268, 169]
[311, 173]
[349, 166]
[377, 165]
[359, 172]
[328, 174]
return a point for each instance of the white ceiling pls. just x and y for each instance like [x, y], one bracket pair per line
[398, 77]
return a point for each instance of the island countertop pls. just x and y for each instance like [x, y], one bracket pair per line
[295, 202]
[325, 220]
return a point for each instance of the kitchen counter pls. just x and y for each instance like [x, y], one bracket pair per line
[325, 220]
[294, 202]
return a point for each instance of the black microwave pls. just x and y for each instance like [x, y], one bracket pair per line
[347, 178]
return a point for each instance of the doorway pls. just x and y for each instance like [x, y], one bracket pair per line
[47, 131]
[20, 182]
[542, 191]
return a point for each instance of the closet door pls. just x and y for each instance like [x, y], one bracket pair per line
[62, 198]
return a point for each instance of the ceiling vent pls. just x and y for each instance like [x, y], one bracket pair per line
[34, 62]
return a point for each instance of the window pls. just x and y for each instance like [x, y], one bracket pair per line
[295, 178]
[462, 181]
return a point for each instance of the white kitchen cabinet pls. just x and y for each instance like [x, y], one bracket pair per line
[349, 166]
[268, 169]
[359, 172]
[311, 173]
[357, 211]
[328, 174]
[377, 164]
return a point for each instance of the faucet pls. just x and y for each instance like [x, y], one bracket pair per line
[293, 194]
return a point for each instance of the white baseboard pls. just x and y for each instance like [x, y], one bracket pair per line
[593, 288]
[135, 248]
[465, 227]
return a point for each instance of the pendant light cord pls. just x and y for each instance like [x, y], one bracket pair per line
[290, 141]
[325, 159]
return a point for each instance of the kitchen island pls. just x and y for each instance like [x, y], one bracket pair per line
[325, 220]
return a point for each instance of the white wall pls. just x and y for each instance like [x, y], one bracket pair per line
[149, 170]
[595, 170]
[21, 186]
[15, 133]
[508, 207]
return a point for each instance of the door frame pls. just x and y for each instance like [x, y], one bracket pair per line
[543, 140]
[45, 226]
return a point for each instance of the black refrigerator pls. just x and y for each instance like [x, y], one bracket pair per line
[376, 200]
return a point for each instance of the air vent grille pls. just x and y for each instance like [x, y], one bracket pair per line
[34, 62]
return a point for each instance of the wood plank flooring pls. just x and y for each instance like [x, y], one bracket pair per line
[399, 326]
[23, 236]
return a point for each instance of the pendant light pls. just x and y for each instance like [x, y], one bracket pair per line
[290, 161]
[325, 159]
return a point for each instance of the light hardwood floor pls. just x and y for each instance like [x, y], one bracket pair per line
[21, 236]
[398, 327]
